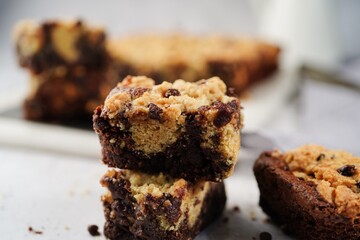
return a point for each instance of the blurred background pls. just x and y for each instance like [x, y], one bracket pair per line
[314, 98]
[319, 40]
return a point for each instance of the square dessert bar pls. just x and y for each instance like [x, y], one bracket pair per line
[183, 129]
[158, 207]
[66, 94]
[313, 192]
[240, 62]
[59, 43]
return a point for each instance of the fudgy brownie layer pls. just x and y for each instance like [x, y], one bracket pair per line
[60, 43]
[182, 129]
[239, 62]
[297, 205]
[160, 215]
[66, 94]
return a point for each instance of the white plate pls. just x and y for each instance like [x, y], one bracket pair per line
[265, 100]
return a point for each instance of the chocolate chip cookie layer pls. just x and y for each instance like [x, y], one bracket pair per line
[158, 207]
[188, 130]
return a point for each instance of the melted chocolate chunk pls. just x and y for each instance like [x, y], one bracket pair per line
[137, 92]
[347, 170]
[223, 115]
[93, 230]
[265, 236]
[155, 112]
[320, 157]
[172, 92]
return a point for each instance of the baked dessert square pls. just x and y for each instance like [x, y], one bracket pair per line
[40, 46]
[313, 192]
[240, 62]
[157, 206]
[66, 94]
[183, 129]
[69, 69]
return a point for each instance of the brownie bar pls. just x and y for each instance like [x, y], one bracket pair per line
[66, 94]
[239, 62]
[60, 43]
[312, 192]
[158, 207]
[188, 130]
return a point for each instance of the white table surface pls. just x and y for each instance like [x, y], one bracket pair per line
[60, 196]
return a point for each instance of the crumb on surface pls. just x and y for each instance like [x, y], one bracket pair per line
[265, 236]
[31, 230]
[93, 230]
[236, 209]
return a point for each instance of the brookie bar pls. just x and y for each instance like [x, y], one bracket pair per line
[60, 43]
[313, 192]
[158, 207]
[240, 62]
[183, 129]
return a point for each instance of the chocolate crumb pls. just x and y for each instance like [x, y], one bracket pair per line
[347, 170]
[225, 219]
[320, 157]
[236, 209]
[155, 112]
[231, 92]
[30, 229]
[172, 92]
[93, 230]
[265, 236]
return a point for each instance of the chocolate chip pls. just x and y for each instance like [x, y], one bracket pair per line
[231, 92]
[357, 184]
[234, 104]
[224, 114]
[265, 236]
[347, 170]
[172, 92]
[236, 209]
[93, 230]
[137, 92]
[155, 112]
[320, 157]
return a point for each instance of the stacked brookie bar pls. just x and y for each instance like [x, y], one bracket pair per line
[170, 146]
[68, 67]
[73, 67]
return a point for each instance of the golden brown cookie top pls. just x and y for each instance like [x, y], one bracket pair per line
[61, 37]
[171, 99]
[336, 174]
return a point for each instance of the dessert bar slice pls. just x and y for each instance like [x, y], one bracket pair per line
[41, 46]
[158, 207]
[66, 94]
[313, 192]
[188, 130]
[240, 62]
